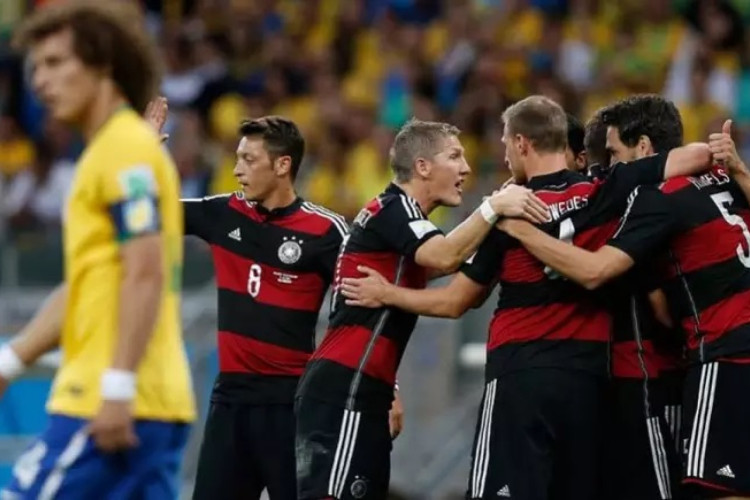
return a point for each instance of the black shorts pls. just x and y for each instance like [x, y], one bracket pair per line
[669, 389]
[340, 453]
[717, 428]
[245, 449]
[538, 436]
[641, 459]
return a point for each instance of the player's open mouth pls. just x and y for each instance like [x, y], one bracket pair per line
[459, 187]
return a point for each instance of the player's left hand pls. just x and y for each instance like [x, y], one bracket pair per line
[156, 115]
[724, 150]
[112, 428]
[396, 416]
[366, 291]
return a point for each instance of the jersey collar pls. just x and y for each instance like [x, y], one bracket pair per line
[280, 211]
[554, 179]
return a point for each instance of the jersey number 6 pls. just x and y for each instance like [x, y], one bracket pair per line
[253, 280]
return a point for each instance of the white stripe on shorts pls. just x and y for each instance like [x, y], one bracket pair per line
[482, 451]
[69, 455]
[702, 421]
[342, 460]
[659, 457]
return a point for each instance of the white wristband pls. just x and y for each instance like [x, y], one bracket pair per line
[488, 213]
[11, 365]
[118, 385]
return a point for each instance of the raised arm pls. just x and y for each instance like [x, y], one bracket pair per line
[447, 253]
[725, 153]
[689, 159]
[449, 301]
[649, 222]
[589, 269]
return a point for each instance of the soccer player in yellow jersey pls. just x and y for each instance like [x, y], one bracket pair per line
[122, 400]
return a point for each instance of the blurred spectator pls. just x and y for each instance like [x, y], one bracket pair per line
[16, 150]
[35, 197]
[350, 72]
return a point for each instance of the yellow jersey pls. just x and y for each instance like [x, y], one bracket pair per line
[125, 185]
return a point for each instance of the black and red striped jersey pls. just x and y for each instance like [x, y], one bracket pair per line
[273, 269]
[356, 363]
[703, 223]
[543, 319]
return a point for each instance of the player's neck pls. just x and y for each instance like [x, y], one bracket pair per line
[544, 164]
[419, 193]
[282, 197]
[107, 101]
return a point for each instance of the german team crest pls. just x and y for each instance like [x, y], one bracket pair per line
[290, 250]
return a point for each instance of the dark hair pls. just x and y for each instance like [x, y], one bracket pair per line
[595, 140]
[106, 35]
[575, 134]
[281, 137]
[646, 114]
[541, 120]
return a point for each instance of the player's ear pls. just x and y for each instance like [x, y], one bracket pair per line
[581, 160]
[422, 167]
[282, 165]
[644, 145]
[521, 144]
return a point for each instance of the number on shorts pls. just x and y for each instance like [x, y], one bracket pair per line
[253, 280]
[28, 465]
[567, 231]
[722, 201]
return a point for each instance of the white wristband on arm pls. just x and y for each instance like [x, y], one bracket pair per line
[118, 385]
[488, 213]
[11, 365]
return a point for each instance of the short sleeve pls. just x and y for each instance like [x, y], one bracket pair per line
[201, 215]
[131, 194]
[647, 226]
[329, 249]
[483, 266]
[403, 225]
[625, 177]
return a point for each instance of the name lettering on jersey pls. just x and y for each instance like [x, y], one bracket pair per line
[560, 209]
[715, 178]
[137, 182]
[290, 250]
[285, 278]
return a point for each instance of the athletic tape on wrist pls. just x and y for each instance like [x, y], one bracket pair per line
[118, 385]
[11, 365]
[488, 213]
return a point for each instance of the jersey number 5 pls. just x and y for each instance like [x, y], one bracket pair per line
[253, 280]
[567, 231]
[722, 201]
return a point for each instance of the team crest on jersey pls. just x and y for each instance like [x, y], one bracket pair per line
[359, 487]
[290, 250]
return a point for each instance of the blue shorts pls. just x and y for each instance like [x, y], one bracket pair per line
[64, 464]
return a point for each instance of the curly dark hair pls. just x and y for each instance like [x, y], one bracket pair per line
[106, 35]
[646, 114]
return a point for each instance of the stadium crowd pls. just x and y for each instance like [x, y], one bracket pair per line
[351, 72]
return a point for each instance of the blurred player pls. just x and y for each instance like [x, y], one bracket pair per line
[702, 222]
[575, 153]
[343, 443]
[539, 430]
[122, 398]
